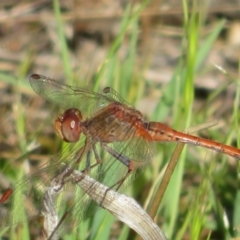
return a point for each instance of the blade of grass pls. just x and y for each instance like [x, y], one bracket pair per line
[62, 42]
[182, 110]
[127, 19]
[20, 121]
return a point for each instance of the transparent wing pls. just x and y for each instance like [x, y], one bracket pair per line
[112, 94]
[66, 96]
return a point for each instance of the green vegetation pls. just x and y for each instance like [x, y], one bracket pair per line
[202, 197]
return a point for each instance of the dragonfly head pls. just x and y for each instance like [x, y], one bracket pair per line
[67, 125]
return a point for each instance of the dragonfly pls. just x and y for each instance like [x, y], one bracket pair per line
[108, 139]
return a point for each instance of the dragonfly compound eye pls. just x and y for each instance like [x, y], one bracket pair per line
[70, 125]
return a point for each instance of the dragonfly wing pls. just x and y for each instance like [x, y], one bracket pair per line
[66, 96]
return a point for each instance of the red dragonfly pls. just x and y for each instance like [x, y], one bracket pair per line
[109, 140]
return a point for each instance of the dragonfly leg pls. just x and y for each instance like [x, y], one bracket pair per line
[97, 157]
[123, 159]
[118, 184]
